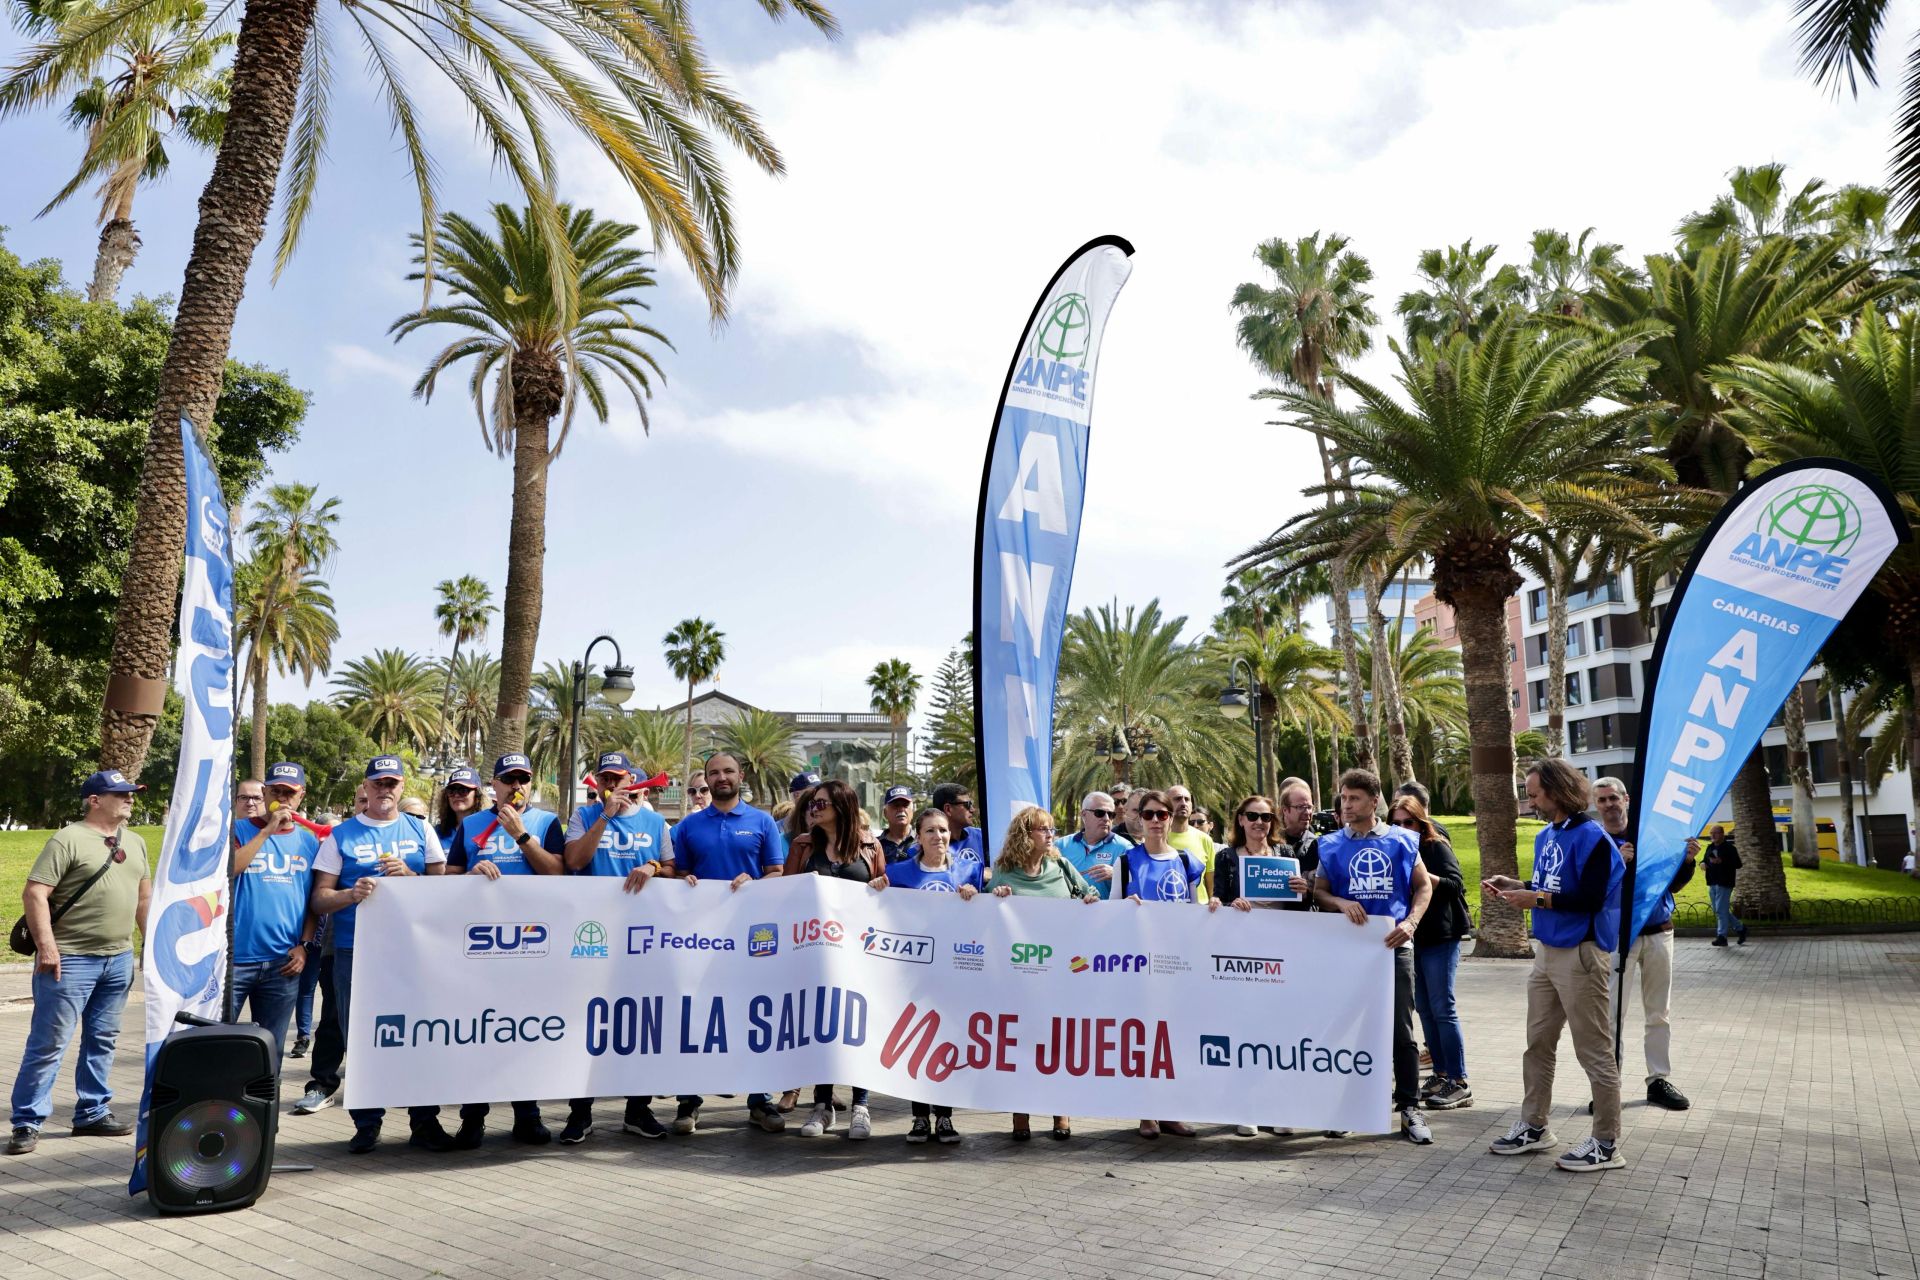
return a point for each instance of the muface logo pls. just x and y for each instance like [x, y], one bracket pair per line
[590, 941]
[1031, 956]
[391, 1031]
[1216, 1051]
[1807, 533]
[643, 938]
[763, 940]
[817, 932]
[1248, 968]
[1303, 1056]
[1108, 964]
[506, 941]
[914, 948]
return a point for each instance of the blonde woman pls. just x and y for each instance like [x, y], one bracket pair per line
[1030, 867]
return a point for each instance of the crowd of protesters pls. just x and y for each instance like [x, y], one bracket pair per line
[297, 885]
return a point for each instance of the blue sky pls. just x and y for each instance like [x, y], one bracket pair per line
[811, 477]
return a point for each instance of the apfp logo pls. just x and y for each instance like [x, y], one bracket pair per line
[1806, 532]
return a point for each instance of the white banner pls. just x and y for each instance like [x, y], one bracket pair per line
[468, 990]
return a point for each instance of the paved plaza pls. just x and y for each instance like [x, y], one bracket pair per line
[1799, 1159]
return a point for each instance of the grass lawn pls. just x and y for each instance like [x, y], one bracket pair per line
[18, 849]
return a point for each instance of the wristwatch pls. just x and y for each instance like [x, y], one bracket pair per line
[1539, 899]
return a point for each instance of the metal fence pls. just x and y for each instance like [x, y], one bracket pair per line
[1862, 914]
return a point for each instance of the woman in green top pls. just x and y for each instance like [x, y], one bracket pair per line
[1030, 867]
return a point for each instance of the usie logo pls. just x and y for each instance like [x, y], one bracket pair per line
[914, 948]
[511, 941]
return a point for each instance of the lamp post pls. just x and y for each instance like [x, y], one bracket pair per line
[616, 688]
[1236, 702]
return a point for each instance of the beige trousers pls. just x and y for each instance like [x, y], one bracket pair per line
[1571, 987]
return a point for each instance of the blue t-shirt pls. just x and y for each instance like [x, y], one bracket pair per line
[1561, 853]
[501, 849]
[355, 849]
[717, 845]
[909, 874]
[1374, 870]
[628, 840]
[1174, 879]
[270, 896]
[1105, 854]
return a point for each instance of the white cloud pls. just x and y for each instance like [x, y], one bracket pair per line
[346, 360]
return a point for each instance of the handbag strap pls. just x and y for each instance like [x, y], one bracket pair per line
[81, 892]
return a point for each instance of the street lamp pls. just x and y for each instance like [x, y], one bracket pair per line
[1235, 702]
[616, 688]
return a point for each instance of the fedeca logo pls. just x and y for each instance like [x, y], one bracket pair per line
[590, 941]
[643, 938]
[1806, 532]
[817, 933]
[390, 1031]
[914, 948]
[490, 941]
[1109, 964]
[763, 939]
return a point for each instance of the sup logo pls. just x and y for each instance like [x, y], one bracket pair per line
[1806, 532]
[493, 941]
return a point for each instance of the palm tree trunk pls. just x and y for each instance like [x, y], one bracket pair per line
[686, 770]
[1760, 890]
[233, 217]
[1913, 737]
[1806, 841]
[1313, 763]
[526, 557]
[1482, 615]
[1556, 656]
[1350, 660]
[446, 700]
[1843, 766]
[259, 745]
[1387, 678]
[119, 244]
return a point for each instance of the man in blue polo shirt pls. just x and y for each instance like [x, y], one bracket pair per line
[733, 841]
[272, 866]
[956, 802]
[1096, 847]
[1368, 868]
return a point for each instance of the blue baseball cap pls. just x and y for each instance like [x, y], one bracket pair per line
[291, 774]
[386, 767]
[898, 793]
[613, 762]
[512, 762]
[801, 781]
[464, 776]
[109, 782]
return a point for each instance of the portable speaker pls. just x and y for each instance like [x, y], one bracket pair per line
[211, 1121]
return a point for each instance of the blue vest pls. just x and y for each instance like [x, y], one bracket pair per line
[628, 840]
[501, 849]
[361, 848]
[909, 874]
[1560, 856]
[1373, 870]
[1175, 879]
[270, 896]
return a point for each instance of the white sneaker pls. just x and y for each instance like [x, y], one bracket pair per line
[1414, 1125]
[859, 1124]
[1591, 1156]
[315, 1099]
[819, 1120]
[1523, 1138]
[1245, 1131]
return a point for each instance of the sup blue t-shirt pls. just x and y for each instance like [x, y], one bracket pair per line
[1374, 870]
[717, 845]
[1176, 878]
[628, 840]
[355, 849]
[911, 875]
[481, 838]
[270, 896]
[1084, 858]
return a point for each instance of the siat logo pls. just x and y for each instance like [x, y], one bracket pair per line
[1806, 532]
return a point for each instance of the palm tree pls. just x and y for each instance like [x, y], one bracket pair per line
[1300, 330]
[1498, 441]
[474, 679]
[1757, 206]
[1295, 686]
[895, 689]
[762, 741]
[1384, 687]
[389, 697]
[465, 608]
[695, 650]
[160, 83]
[550, 719]
[291, 526]
[1460, 297]
[287, 625]
[537, 350]
[1563, 273]
[633, 79]
[650, 737]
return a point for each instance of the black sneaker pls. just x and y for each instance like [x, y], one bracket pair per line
[640, 1120]
[300, 1046]
[579, 1125]
[530, 1131]
[107, 1126]
[768, 1118]
[470, 1134]
[1743, 935]
[364, 1139]
[1451, 1095]
[1661, 1093]
[686, 1118]
[1720, 941]
[1522, 1138]
[429, 1135]
[920, 1131]
[23, 1141]
[944, 1132]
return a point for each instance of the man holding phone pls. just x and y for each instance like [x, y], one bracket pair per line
[272, 868]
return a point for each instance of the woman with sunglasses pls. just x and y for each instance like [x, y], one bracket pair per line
[931, 867]
[1436, 960]
[1155, 871]
[1030, 867]
[459, 800]
[835, 845]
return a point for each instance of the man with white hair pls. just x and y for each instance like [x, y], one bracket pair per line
[1652, 953]
[1096, 847]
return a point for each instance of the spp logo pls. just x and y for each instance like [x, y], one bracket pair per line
[1030, 955]
[763, 940]
[506, 941]
[1109, 964]
[817, 932]
[913, 948]
[1216, 1051]
[590, 941]
[390, 1031]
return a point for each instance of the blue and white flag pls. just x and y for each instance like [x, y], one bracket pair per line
[185, 964]
[1773, 575]
[1029, 529]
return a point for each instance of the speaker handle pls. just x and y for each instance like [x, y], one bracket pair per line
[194, 1019]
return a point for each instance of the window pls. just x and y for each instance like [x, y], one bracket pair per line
[1604, 591]
[1537, 695]
[1537, 605]
[1576, 641]
[1577, 735]
[1573, 689]
[1610, 680]
[1536, 651]
[1600, 644]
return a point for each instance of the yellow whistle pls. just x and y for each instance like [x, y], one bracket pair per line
[272, 805]
[519, 798]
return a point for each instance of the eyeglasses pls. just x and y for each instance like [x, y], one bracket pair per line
[961, 804]
[819, 804]
[1406, 822]
[1155, 815]
[1099, 813]
[1043, 831]
[1256, 817]
[247, 797]
[697, 791]
[284, 793]
[1300, 806]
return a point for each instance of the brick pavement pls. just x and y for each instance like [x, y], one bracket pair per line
[1795, 1162]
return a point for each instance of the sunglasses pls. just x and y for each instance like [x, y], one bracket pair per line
[697, 791]
[459, 789]
[387, 784]
[518, 779]
[1155, 815]
[819, 804]
[1256, 817]
[1099, 813]
[1405, 822]
[114, 850]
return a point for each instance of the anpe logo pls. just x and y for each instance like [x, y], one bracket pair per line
[590, 941]
[817, 932]
[1806, 532]
[1548, 868]
[1216, 1051]
[390, 1031]
[914, 948]
[1063, 334]
[1248, 968]
[643, 938]
[1109, 964]
[510, 941]
[1372, 875]
[1030, 955]
[763, 940]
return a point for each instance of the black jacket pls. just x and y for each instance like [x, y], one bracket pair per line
[1226, 870]
[1446, 919]
[1718, 862]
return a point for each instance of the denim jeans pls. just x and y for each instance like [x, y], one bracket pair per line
[1434, 967]
[824, 1093]
[1721, 896]
[309, 983]
[89, 995]
[273, 994]
[343, 988]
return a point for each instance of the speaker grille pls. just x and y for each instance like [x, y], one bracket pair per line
[209, 1145]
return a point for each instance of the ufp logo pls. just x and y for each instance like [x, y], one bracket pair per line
[1031, 954]
[763, 940]
[590, 941]
[390, 1031]
[1216, 1051]
[914, 948]
[510, 941]
[1806, 532]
